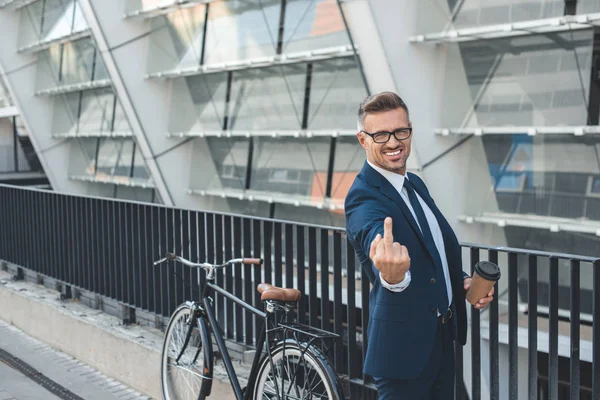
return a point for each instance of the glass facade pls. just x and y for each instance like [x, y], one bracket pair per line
[302, 171]
[85, 108]
[49, 20]
[5, 99]
[520, 84]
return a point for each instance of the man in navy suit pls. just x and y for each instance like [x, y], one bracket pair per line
[412, 258]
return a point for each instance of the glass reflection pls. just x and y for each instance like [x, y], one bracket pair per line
[267, 98]
[50, 20]
[96, 111]
[472, 13]
[349, 160]
[223, 163]
[557, 176]
[5, 99]
[527, 81]
[311, 25]
[198, 103]
[176, 39]
[77, 62]
[336, 86]
[70, 63]
[241, 29]
[291, 166]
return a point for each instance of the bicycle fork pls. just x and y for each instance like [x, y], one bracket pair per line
[197, 319]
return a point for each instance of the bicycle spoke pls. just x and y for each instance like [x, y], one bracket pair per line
[182, 380]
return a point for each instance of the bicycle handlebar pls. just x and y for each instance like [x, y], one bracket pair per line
[174, 257]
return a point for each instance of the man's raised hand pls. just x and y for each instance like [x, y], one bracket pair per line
[390, 258]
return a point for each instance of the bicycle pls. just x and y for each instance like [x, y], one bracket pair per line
[293, 366]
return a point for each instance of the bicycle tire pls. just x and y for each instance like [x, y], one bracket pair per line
[191, 376]
[329, 388]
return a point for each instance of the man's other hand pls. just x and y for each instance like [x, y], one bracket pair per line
[481, 303]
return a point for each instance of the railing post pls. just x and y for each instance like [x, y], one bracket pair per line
[475, 339]
[127, 315]
[553, 334]
[596, 334]
[575, 378]
[513, 347]
[532, 329]
[20, 275]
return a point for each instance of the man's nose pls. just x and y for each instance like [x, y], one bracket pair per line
[393, 141]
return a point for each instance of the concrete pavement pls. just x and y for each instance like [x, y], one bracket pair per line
[73, 375]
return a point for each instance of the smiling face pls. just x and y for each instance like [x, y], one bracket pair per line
[392, 155]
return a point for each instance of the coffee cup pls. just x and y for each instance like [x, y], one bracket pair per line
[484, 278]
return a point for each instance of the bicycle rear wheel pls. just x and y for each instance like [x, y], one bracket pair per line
[185, 378]
[296, 373]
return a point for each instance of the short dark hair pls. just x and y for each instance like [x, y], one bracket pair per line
[384, 101]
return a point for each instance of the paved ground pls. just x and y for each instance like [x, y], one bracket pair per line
[13, 382]
[63, 369]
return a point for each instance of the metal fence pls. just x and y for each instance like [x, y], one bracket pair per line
[107, 246]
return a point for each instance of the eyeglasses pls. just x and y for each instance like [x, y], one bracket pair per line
[384, 137]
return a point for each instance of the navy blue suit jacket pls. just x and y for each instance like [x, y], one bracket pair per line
[402, 325]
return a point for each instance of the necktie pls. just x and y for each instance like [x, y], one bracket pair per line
[440, 280]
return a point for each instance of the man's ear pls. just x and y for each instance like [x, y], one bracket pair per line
[361, 140]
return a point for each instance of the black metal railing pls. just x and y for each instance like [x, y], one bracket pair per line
[107, 246]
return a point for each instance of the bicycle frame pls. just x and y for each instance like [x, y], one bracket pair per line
[203, 312]
[207, 311]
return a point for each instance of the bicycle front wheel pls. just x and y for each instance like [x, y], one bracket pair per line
[184, 357]
[296, 373]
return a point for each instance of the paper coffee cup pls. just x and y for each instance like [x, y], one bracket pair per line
[484, 278]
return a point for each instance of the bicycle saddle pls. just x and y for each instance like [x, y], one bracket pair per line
[270, 292]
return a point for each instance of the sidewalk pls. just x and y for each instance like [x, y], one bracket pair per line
[83, 336]
[64, 370]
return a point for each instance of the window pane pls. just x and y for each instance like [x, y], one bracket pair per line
[543, 175]
[139, 166]
[134, 193]
[58, 19]
[588, 6]
[488, 12]
[120, 120]
[5, 99]
[48, 68]
[291, 166]
[241, 29]
[82, 156]
[311, 25]
[336, 90]
[219, 163]
[77, 61]
[30, 23]
[124, 157]
[96, 110]
[64, 117]
[349, 160]
[100, 71]
[108, 155]
[267, 98]
[176, 39]
[198, 103]
[527, 81]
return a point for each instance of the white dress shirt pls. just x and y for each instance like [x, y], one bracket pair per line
[397, 182]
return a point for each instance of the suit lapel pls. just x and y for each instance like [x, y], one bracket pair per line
[447, 233]
[377, 180]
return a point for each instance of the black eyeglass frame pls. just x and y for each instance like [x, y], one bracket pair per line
[372, 135]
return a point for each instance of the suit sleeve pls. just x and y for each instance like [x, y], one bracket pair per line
[363, 223]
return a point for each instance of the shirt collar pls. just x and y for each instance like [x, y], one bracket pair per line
[397, 180]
